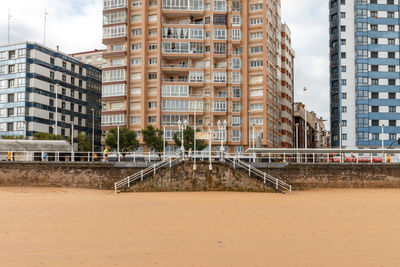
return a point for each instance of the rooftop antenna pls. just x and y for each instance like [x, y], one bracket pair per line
[9, 24]
[44, 29]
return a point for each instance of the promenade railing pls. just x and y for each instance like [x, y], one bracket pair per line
[270, 156]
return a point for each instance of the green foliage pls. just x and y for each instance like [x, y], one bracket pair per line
[188, 137]
[153, 138]
[84, 142]
[5, 137]
[47, 136]
[127, 139]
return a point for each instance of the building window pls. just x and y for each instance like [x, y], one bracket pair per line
[375, 136]
[236, 20]
[219, 34]
[392, 123]
[152, 46]
[375, 109]
[392, 109]
[392, 136]
[219, 5]
[236, 121]
[236, 135]
[152, 76]
[137, 32]
[152, 61]
[220, 20]
[374, 122]
[152, 105]
[152, 119]
[137, 46]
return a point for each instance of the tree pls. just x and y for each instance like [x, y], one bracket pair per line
[153, 138]
[47, 136]
[188, 137]
[84, 142]
[127, 139]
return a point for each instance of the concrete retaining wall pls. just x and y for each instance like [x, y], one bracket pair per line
[182, 178]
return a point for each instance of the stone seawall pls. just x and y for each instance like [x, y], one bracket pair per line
[182, 178]
[82, 175]
[311, 176]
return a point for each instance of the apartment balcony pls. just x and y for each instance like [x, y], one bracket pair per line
[172, 10]
[110, 5]
[220, 82]
[184, 23]
[180, 68]
[179, 53]
[190, 82]
[221, 96]
[113, 54]
[183, 96]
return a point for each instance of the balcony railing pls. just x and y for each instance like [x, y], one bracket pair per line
[184, 23]
[182, 51]
[182, 81]
[182, 7]
[181, 66]
[112, 4]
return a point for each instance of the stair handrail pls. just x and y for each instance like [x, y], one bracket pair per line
[141, 174]
[263, 175]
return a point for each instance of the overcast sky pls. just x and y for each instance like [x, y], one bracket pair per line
[76, 25]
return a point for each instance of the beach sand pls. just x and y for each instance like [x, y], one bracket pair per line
[77, 227]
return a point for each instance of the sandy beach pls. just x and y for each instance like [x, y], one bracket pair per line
[77, 227]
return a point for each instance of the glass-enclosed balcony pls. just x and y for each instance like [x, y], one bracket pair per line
[113, 4]
[189, 5]
[182, 48]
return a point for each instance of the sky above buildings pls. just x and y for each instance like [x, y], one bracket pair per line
[76, 25]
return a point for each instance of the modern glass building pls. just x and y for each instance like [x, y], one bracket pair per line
[364, 72]
[43, 90]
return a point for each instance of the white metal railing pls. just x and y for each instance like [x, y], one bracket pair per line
[279, 184]
[130, 180]
[312, 156]
[76, 156]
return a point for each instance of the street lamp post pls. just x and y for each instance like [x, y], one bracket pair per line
[221, 131]
[182, 127]
[194, 138]
[92, 133]
[118, 142]
[305, 118]
[56, 129]
[209, 146]
[25, 125]
[72, 141]
[297, 141]
[340, 141]
[383, 145]
[249, 133]
[164, 141]
[253, 137]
